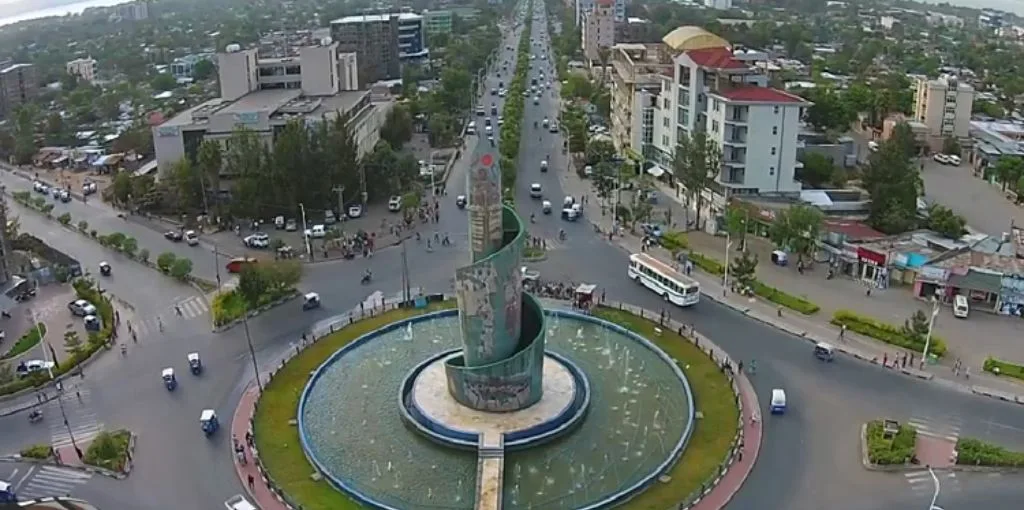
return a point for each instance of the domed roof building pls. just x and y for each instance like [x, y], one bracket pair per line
[690, 38]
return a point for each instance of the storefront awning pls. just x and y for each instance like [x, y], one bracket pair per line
[975, 280]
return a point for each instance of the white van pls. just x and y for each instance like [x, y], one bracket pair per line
[778, 405]
[317, 232]
[960, 306]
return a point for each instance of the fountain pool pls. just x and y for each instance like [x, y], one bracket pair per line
[639, 420]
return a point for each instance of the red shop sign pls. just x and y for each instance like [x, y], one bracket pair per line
[870, 256]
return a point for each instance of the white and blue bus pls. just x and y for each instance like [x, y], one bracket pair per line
[665, 281]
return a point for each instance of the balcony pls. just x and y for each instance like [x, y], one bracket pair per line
[732, 176]
[737, 115]
[735, 135]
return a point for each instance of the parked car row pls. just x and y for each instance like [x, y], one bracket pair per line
[58, 193]
[189, 236]
[947, 159]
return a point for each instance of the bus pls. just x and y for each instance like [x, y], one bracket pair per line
[665, 281]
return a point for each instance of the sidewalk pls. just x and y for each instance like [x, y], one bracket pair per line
[743, 461]
[249, 474]
[815, 328]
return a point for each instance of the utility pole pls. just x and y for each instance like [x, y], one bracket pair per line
[340, 190]
[406, 283]
[252, 351]
[206, 213]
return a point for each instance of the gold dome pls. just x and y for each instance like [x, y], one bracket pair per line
[693, 38]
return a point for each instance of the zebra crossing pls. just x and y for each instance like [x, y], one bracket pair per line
[190, 308]
[921, 482]
[48, 481]
[947, 428]
[82, 422]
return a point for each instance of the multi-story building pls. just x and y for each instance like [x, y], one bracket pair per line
[634, 30]
[636, 82]
[437, 22]
[722, 5]
[581, 7]
[382, 42]
[181, 67]
[134, 11]
[598, 30]
[83, 68]
[18, 85]
[264, 94]
[944, 106]
[713, 91]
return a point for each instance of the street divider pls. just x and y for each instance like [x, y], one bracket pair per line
[512, 113]
[899, 336]
[975, 452]
[999, 367]
[885, 449]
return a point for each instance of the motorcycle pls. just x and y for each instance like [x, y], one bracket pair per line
[366, 279]
[35, 416]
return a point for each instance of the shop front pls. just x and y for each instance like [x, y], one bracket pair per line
[932, 282]
[1011, 295]
[981, 289]
[872, 267]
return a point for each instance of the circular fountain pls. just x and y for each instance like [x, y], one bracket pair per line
[501, 403]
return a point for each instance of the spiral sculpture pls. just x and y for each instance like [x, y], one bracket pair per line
[500, 368]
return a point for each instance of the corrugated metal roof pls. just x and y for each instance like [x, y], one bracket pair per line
[976, 280]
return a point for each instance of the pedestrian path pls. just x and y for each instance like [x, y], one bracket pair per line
[921, 482]
[248, 473]
[190, 308]
[49, 481]
[81, 420]
[947, 428]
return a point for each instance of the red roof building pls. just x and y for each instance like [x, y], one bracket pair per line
[715, 58]
[753, 94]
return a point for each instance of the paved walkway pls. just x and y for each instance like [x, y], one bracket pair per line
[255, 486]
[816, 328]
[744, 460]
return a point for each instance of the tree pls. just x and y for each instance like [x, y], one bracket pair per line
[988, 108]
[736, 219]
[797, 229]
[24, 134]
[72, 343]
[181, 268]
[209, 163]
[599, 151]
[944, 221]
[743, 269]
[817, 171]
[829, 112]
[917, 326]
[950, 145]
[397, 128]
[894, 185]
[203, 69]
[605, 179]
[163, 82]
[696, 162]
[129, 246]
[165, 261]
[1009, 169]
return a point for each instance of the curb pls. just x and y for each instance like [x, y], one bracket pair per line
[539, 258]
[83, 468]
[253, 313]
[904, 468]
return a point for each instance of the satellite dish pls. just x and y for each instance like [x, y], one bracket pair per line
[233, 48]
[326, 41]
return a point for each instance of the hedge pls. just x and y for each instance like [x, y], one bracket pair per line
[109, 450]
[1000, 367]
[674, 241]
[229, 306]
[27, 341]
[785, 299]
[887, 333]
[36, 451]
[974, 452]
[888, 452]
[707, 264]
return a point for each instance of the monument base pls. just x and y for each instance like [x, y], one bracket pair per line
[429, 408]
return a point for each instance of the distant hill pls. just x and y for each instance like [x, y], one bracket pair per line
[23, 6]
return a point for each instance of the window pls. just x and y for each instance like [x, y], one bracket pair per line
[775, 130]
[664, 140]
[666, 122]
[714, 126]
[771, 170]
[776, 110]
[773, 151]
[717, 105]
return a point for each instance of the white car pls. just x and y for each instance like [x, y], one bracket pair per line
[32, 366]
[89, 187]
[536, 100]
[941, 158]
[355, 211]
[954, 159]
[395, 203]
[257, 240]
[81, 308]
[502, 93]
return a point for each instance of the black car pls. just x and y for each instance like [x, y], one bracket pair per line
[173, 235]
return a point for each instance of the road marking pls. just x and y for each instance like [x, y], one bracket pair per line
[13, 474]
[82, 421]
[53, 481]
[927, 427]
[22, 481]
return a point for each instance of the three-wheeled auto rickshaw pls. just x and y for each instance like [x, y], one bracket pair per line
[779, 258]
[545, 207]
[208, 421]
[35, 416]
[824, 351]
[170, 381]
[194, 363]
[104, 269]
[310, 301]
[583, 297]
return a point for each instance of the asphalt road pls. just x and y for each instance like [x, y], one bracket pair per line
[104, 219]
[809, 458]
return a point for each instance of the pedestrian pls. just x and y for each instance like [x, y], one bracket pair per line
[79, 395]
[252, 482]
[160, 324]
[885, 359]
[842, 333]
[135, 338]
[177, 310]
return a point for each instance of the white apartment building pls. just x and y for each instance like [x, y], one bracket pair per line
[637, 70]
[598, 30]
[582, 7]
[722, 5]
[83, 68]
[713, 91]
[944, 106]
[317, 70]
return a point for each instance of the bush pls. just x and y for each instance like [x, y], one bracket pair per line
[36, 451]
[64, 219]
[1000, 367]
[165, 261]
[129, 246]
[144, 255]
[83, 226]
[30, 339]
[227, 307]
[675, 241]
[782, 298]
[974, 452]
[109, 450]
[707, 264]
[181, 268]
[888, 452]
[887, 333]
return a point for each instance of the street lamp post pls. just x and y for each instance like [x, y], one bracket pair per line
[928, 337]
[58, 387]
[430, 166]
[216, 253]
[305, 232]
[252, 351]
